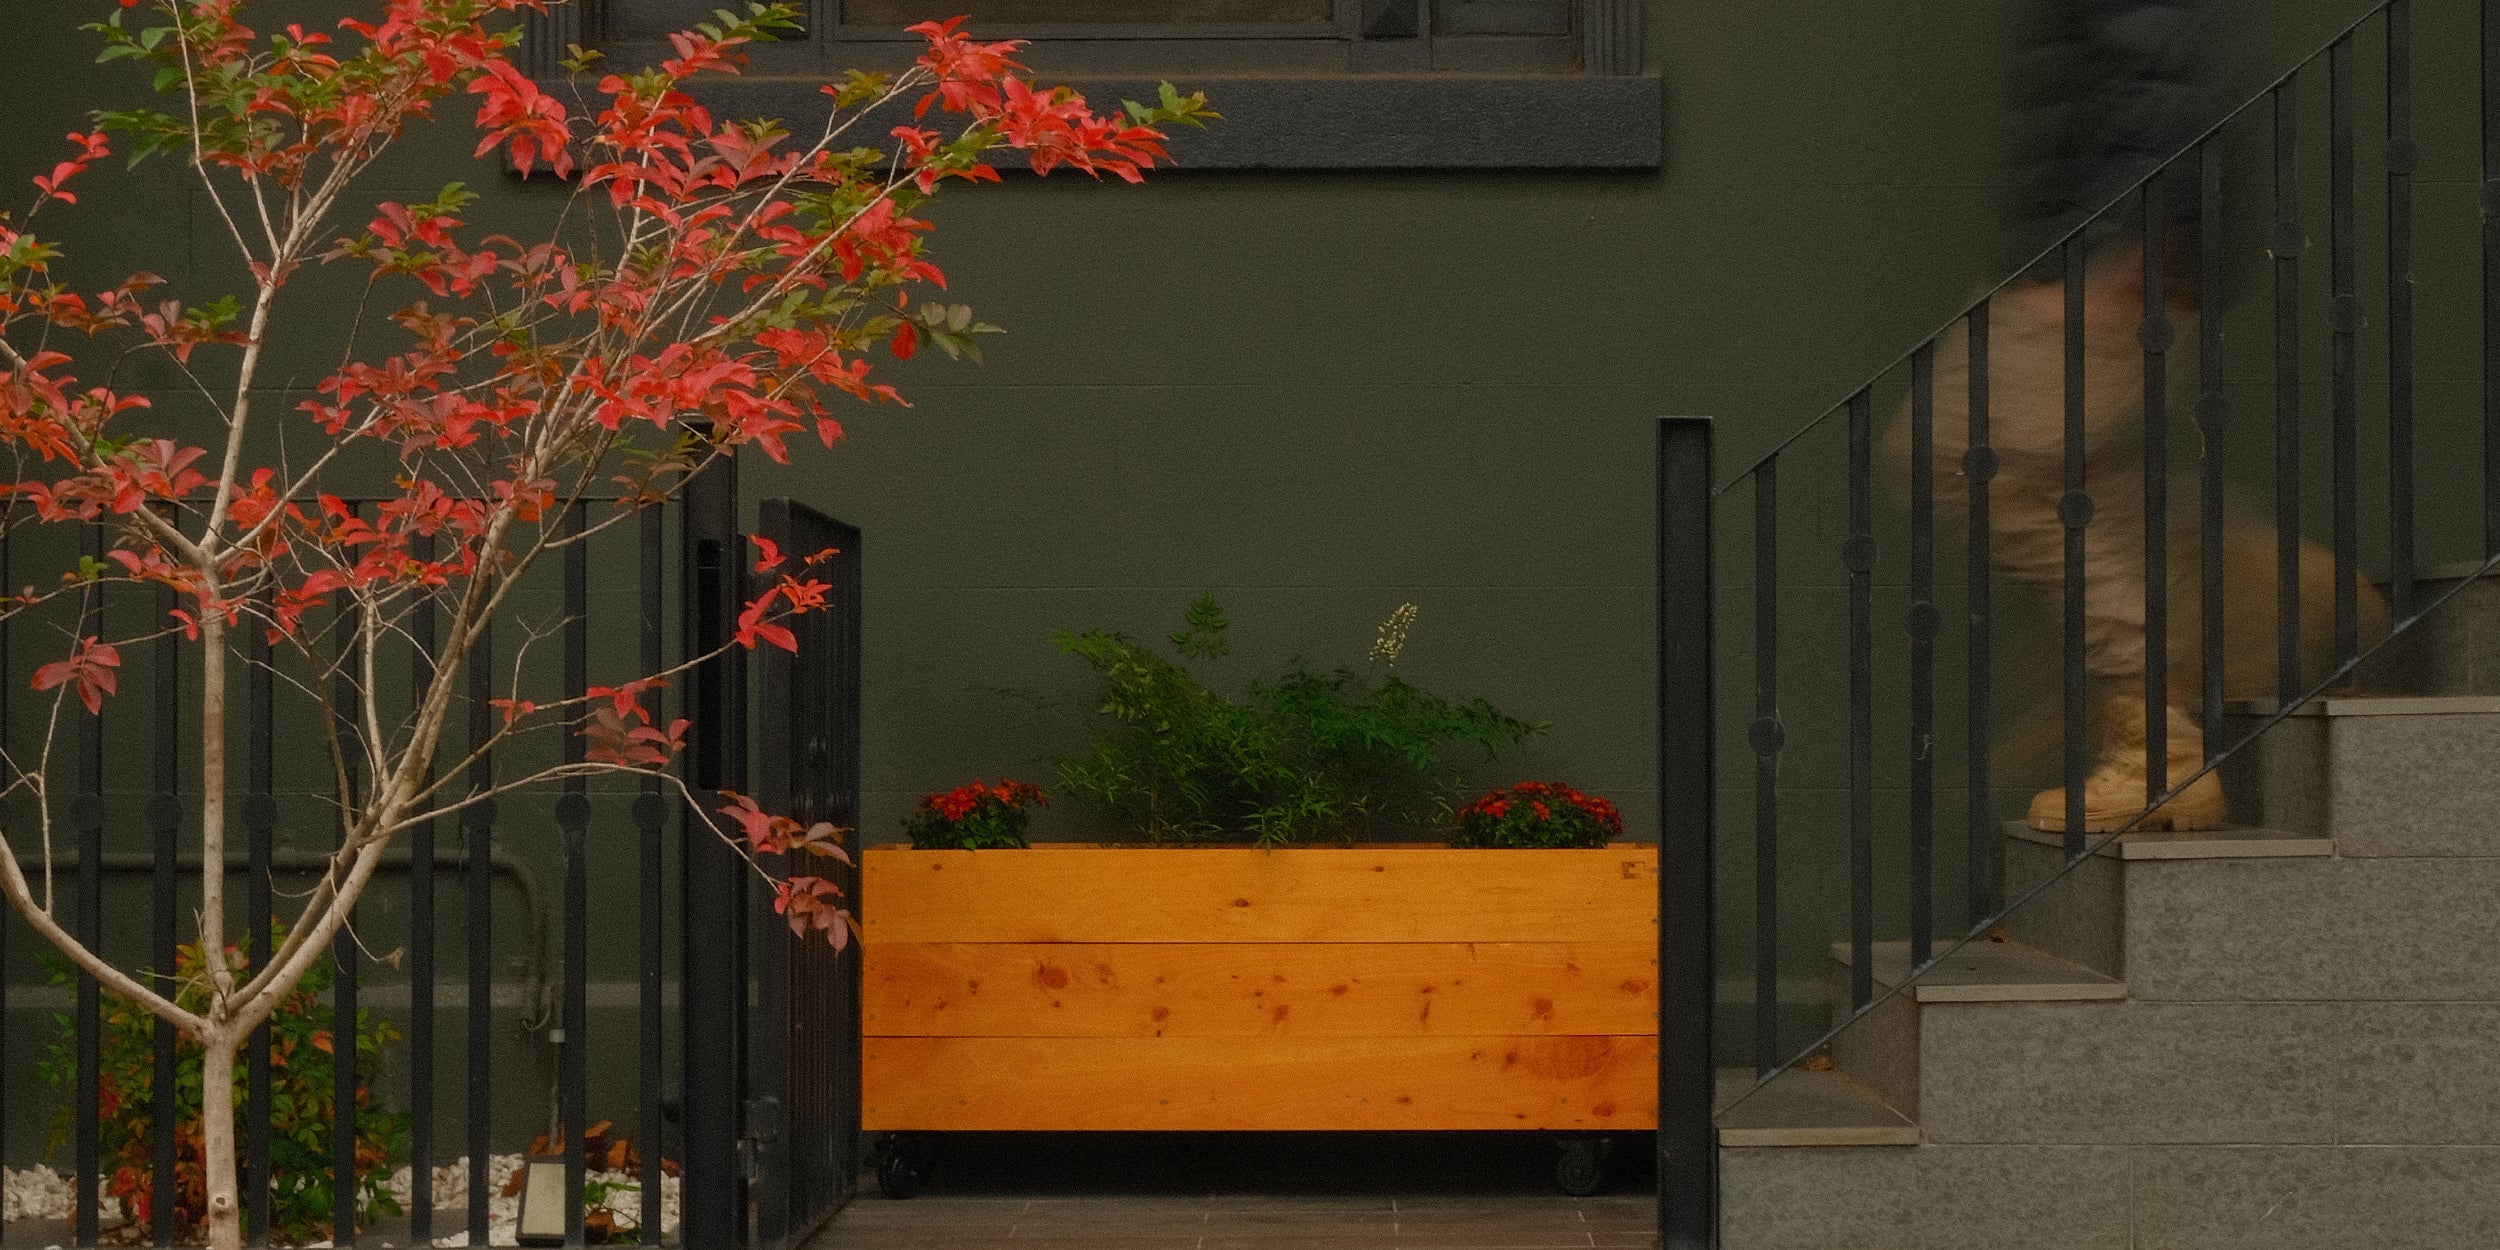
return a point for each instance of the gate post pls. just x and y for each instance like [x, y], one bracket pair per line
[1688, 1180]
[713, 919]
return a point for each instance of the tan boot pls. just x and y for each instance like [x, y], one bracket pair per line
[2114, 793]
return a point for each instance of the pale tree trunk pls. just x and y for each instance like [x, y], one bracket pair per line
[225, 1207]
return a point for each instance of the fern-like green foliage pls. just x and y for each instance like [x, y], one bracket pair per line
[1308, 756]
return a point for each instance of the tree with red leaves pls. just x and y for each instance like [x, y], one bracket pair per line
[715, 284]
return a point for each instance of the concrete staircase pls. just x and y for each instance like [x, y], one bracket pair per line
[2284, 1036]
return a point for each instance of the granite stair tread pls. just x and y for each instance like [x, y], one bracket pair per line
[1988, 971]
[2232, 842]
[1807, 1108]
[2373, 705]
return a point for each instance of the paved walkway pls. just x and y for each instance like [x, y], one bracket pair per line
[1251, 1191]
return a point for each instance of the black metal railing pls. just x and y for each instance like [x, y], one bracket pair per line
[2031, 513]
[728, 1030]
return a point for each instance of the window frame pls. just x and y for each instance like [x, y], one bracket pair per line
[1316, 95]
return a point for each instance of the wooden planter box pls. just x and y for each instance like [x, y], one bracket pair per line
[1386, 986]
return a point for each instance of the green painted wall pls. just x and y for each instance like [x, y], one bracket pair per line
[1319, 395]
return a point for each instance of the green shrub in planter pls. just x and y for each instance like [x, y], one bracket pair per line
[1308, 756]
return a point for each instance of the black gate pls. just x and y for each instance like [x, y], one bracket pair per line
[544, 936]
[808, 1126]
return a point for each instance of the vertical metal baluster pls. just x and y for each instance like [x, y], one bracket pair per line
[2344, 326]
[650, 819]
[573, 817]
[2401, 158]
[2074, 509]
[260, 822]
[1687, 1142]
[1767, 736]
[2286, 248]
[1921, 625]
[1857, 555]
[2154, 336]
[165, 822]
[88, 817]
[421, 870]
[477, 823]
[2213, 410]
[1979, 465]
[712, 1201]
[345, 696]
[2491, 276]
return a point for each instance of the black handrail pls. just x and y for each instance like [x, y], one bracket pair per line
[2042, 257]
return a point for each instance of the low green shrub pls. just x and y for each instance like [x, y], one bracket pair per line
[302, 1069]
[1310, 755]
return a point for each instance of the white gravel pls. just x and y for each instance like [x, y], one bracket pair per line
[39, 1193]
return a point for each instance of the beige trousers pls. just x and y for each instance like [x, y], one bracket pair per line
[2027, 433]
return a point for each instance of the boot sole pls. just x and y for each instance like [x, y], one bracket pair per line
[2175, 816]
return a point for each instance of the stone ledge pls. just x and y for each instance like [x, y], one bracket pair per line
[2233, 843]
[1801, 1108]
[1989, 972]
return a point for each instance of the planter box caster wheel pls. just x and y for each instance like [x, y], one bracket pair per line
[904, 1162]
[1581, 1171]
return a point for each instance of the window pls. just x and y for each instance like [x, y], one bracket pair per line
[1302, 84]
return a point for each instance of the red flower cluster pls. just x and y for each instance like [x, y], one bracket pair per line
[972, 817]
[1538, 813]
[958, 803]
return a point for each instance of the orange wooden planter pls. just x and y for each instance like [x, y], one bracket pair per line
[1383, 986]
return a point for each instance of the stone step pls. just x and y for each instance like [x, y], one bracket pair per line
[2081, 916]
[2452, 650]
[1982, 971]
[1807, 1108]
[1882, 1049]
[2382, 776]
[2235, 1197]
[2276, 923]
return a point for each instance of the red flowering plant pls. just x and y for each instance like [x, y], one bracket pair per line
[973, 817]
[1537, 813]
[712, 285]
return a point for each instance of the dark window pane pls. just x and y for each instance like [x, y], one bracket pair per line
[995, 13]
[1501, 17]
[644, 19]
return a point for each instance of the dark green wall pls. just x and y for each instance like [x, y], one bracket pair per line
[1319, 395]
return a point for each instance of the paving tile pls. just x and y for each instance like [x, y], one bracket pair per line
[1111, 1226]
[1348, 1203]
[1103, 1208]
[1302, 1224]
[1487, 1230]
[1379, 1241]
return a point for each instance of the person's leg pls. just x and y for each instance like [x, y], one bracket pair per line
[2027, 432]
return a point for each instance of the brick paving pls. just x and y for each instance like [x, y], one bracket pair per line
[1251, 1191]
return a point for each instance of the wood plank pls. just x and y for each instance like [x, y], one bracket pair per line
[1276, 1083]
[1377, 893]
[1367, 989]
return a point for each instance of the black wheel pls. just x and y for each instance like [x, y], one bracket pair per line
[903, 1165]
[1582, 1169]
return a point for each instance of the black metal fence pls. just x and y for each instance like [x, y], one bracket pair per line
[1831, 740]
[730, 1057]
